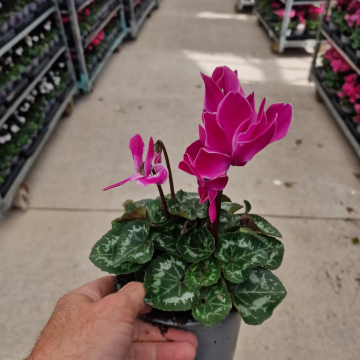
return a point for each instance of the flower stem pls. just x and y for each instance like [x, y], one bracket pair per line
[215, 228]
[208, 221]
[163, 199]
[172, 191]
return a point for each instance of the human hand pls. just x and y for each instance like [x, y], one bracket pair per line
[93, 323]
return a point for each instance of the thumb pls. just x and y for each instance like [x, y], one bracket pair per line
[129, 302]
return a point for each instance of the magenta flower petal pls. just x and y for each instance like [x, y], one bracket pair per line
[149, 157]
[202, 135]
[157, 158]
[136, 146]
[232, 112]
[212, 207]
[216, 139]
[210, 164]
[213, 94]
[193, 149]
[230, 81]
[245, 151]
[203, 194]
[214, 184]
[159, 178]
[131, 178]
[184, 166]
[283, 121]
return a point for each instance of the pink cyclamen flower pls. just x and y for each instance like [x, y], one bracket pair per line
[281, 13]
[143, 175]
[232, 125]
[316, 9]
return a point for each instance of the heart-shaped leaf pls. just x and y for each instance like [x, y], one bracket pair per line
[231, 207]
[204, 273]
[247, 206]
[196, 244]
[155, 213]
[164, 287]
[176, 208]
[258, 296]
[169, 234]
[228, 222]
[275, 252]
[138, 213]
[265, 226]
[225, 198]
[135, 244]
[213, 304]
[192, 200]
[103, 251]
[129, 205]
[142, 202]
[238, 253]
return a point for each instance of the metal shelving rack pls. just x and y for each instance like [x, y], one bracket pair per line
[279, 43]
[6, 201]
[86, 80]
[321, 95]
[135, 21]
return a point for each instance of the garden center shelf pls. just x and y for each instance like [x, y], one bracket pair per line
[91, 48]
[279, 40]
[136, 12]
[240, 4]
[52, 59]
[344, 122]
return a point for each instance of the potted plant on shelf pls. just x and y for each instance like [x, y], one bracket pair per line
[202, 264]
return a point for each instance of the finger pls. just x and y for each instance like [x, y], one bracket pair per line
[97, 289]
[128, 302]
[144, 332]
[162, 351]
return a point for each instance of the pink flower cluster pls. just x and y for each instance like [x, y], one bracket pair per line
[337, 62]
[352, 15]
[233, 133]
[281, 13]
[351, 88]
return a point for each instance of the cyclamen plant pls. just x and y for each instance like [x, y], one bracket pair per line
[193, 251]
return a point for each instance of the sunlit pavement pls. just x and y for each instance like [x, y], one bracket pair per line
[305, 184]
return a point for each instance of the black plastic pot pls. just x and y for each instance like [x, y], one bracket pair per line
[320, 73]
[50, 115]
[7, 36]
[2, 110]
[337, 40]
[353, 128]
[345, 40]
[352, 55]
[35, 71]
[331, 93]
[341, 111]
[214, 343]
[35, 143]
[19, 86]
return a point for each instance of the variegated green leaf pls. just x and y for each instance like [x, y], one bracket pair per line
[231, 207]
[103, 251]
[196, 244]
[238, 253]
[176, 208]
[247, 206]
[155, 213]
[228, 222]
[265, 226]
[258, 296]
[142, 202]
[225, 198]
[192, 200]
[135, 244]
[275, 252]
[129, 205]
[204, 273]
[213, 304]
[164, 287]
[138, 213]
[169, 234]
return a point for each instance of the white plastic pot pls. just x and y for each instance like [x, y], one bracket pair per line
[300, 29]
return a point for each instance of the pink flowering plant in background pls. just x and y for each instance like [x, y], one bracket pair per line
[200, 251]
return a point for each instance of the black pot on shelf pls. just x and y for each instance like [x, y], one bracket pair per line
[333, 27]
[337, 40]
[353, 127]
[331, 93]
[343, 112]
[350, 52]
[320, 73]
[345, 39]
[14, 170]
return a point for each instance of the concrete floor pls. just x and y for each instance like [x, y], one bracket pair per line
[153, 87]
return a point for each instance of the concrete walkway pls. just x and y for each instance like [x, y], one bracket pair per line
[153, 87]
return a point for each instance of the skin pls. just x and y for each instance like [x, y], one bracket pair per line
[94, 323]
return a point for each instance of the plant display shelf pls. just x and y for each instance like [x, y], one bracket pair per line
[86, 81]
[240, 4]
[280, 42]
[136, 20]
[321, 93]
[337, 117]
[27, 30]
[7, 198]
[7, 201]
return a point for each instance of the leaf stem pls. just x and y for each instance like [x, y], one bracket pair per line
[215, 228]
[163, 199]
[208, 221]
[171, 182]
